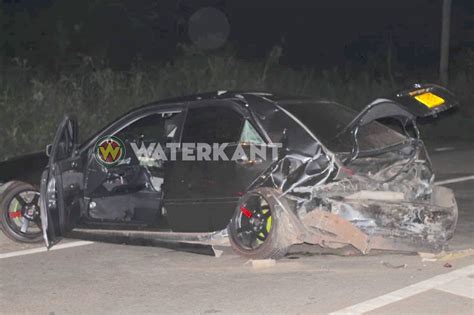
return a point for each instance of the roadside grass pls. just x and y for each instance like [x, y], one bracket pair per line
[32, 102]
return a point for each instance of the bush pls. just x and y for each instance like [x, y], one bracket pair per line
[32, 101]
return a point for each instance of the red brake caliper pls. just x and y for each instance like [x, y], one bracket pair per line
[246, 212]
[14, 215]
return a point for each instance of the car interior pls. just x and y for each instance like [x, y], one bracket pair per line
[131, 192]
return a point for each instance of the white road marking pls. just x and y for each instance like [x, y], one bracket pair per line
[43, 249]
[455, 180]
[406, 292]
[461, 287]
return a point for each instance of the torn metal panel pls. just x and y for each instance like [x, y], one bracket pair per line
[409, 176]
[331, 230]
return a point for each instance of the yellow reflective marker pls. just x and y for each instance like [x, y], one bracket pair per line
[429, 99]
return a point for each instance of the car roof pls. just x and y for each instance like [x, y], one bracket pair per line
[224, 94]
[261, 101]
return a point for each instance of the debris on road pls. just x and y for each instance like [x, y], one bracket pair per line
[445, 256]
[390, 265]
[261, 263]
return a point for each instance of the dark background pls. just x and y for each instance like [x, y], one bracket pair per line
[98, 59]
[322, 34]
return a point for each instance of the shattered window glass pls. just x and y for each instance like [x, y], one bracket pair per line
[250, 135]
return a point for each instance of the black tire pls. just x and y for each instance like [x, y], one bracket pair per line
[277, 241]
[12, 213]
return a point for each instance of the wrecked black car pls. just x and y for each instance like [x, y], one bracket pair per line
[337, 179]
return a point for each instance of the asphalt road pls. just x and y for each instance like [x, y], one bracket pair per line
[107, 278]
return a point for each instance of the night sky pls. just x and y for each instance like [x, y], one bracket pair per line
[323, 34]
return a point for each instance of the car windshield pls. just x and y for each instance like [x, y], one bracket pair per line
[327, 119]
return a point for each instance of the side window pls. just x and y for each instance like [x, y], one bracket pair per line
[149, 128]
[250, 135]
[281, 128]
[160, 128]
[213, 124]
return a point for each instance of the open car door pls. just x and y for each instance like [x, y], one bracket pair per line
[55, 213]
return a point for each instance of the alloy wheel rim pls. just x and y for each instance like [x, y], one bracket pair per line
[23, 215]
[253, 222]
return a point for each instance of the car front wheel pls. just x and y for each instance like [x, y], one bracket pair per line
[20, 214]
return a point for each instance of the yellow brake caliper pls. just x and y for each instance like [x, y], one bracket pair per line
[268, 226]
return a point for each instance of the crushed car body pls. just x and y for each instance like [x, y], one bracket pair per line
[370, 198]
[339, 179]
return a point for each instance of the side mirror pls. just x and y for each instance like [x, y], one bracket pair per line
[49, 149]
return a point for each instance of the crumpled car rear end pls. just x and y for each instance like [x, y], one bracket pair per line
[375, 188]
[388, 202]
[373, 224]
